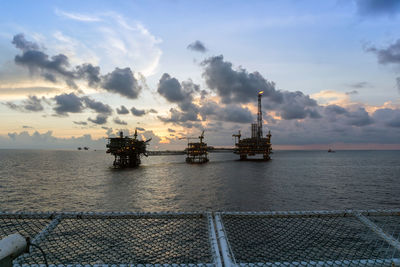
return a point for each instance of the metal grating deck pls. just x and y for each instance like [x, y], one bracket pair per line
[314, 238]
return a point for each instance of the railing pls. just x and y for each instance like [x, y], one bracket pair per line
[308, 238]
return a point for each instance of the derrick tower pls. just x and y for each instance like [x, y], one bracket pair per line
[257, 144]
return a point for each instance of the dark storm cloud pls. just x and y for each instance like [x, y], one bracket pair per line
[33, 103]
[21, 43]
[378, 7]
[171, 89]
[90, 73]
[296, 105]
[80, 122]
[236, 86]
[354, 92]
[50, 77]
[138, 112]
[229, 113]
[197, 46]
[119, 121]
[360, 117]
[181, 94]
[97, 106]
[12, 105]
[388, 55]
[335, 109]
[122, 110]
[66, 103]
[180, 117]
[240, 86]
[100, 119]
[389, 117]
[123, 82]
[360, 85]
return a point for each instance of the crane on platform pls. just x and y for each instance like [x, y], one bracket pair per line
[201, 137]
[237, 136]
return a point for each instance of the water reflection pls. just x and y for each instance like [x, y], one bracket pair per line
[293, 180]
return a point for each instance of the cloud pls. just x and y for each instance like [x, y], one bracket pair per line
[119, 121]
[179, 117]
[27, 127]
[123, 82]
[171, 130]
[100, 119]
[46, 140]
[335, 109]
[20, 42]
[77, 16]
[229, 113]
[182, 94]
[97, 106]
[388, 55]
[68, 103]
[119, 41]
[354, 92]
[296, 105]
[137, 112]
[155, 139]
[90, 73]
[71, 103]
[236, 86]
[360, 117]
[378, 7]
[359, 85]
[197, 46]
[80, 122]
[122, 110]
[389, 117]
[240, 86]
[33, 103]
[152, 111]
[120, 80]
[140, 129]
[171, 89]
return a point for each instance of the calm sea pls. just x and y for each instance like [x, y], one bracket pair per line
[38, 180]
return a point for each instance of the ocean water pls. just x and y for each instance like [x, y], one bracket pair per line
[40, 180]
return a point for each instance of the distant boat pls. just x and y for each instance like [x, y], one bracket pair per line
[331, 151]
[79, 148]
[86, 148]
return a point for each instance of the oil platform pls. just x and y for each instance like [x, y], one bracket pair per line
[196, 152]
[127, 151]
[257, 144]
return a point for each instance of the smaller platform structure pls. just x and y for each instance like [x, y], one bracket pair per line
[127, 151]
[197, 152]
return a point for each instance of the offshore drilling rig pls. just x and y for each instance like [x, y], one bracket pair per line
[257, 144]
[127, 151]
[196, 152]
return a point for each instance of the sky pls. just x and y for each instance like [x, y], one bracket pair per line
[73, 73]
